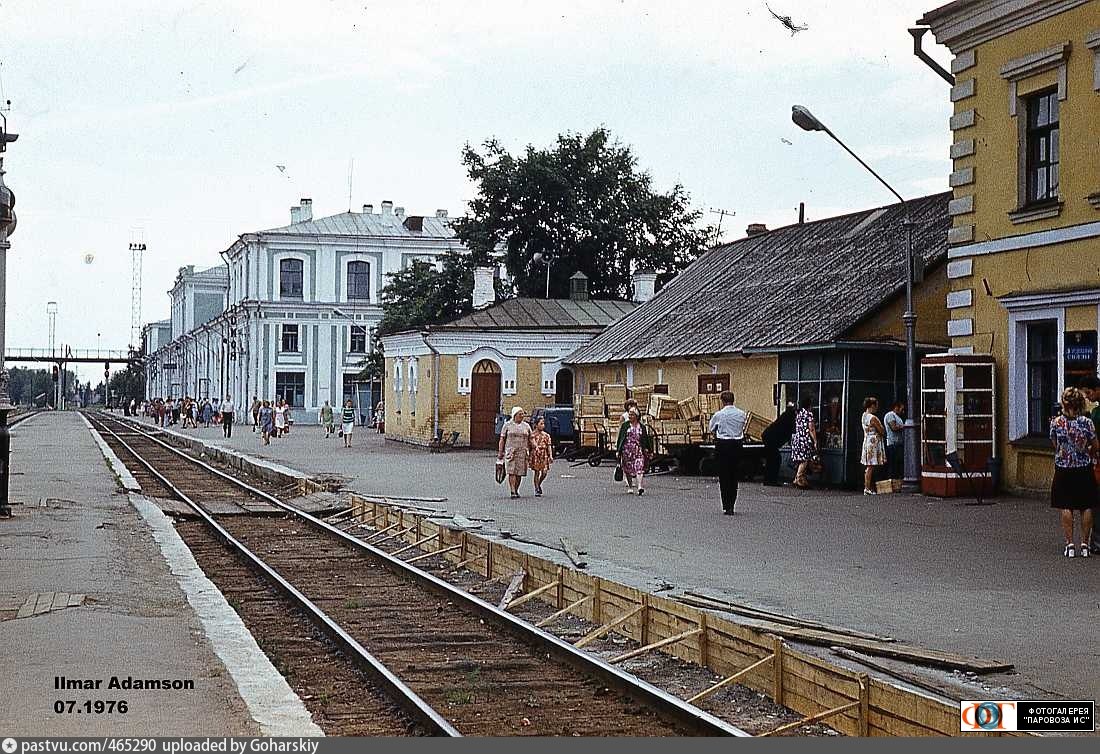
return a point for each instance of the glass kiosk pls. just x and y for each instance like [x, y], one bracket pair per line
[958, 425]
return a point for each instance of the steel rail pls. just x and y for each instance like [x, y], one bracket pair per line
[668, 704]
[406, 698]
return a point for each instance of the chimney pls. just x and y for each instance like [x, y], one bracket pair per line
[415, 222]
[484, 289]
[578, 287]
[441, 213]
[368, 209]
[387, 208]
[307, 210]
[755, 229]
[400, 212]
[295, 215]
[645, 286]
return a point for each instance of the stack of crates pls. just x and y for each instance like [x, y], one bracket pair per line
[614, 397]
[591, 413]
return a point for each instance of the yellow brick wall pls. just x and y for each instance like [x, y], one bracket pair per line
[929, 302]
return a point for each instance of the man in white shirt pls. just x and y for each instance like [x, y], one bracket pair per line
[728, 426]
[894, 422]
[227, 416]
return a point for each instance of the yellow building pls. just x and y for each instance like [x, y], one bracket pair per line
[460, 376]
[811, 310]
[1024, 269]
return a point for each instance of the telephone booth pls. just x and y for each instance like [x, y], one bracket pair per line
[958, 425]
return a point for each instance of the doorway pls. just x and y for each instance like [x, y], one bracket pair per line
[484, 404]
[563, 387]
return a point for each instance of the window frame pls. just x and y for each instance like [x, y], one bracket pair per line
[355, 330]
[285, 330]
[284, 292]
[721, 380]
[348, 275]
[1033, 136]
[1040, 428]
[298, 397]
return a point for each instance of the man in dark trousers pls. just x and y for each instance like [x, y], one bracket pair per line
[775, 437]
[728, 426]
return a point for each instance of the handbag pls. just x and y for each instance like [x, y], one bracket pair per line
[500, 471]
[618, 473]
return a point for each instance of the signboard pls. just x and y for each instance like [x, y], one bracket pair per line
[1079, 356]
[168, 366]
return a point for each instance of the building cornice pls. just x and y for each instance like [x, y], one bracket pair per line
[965, 24]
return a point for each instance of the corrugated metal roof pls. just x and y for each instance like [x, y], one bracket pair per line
[539, 313]
[216, 274]
[359, 224]
[805, 283]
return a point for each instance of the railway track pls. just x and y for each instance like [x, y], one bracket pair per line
[453, 663]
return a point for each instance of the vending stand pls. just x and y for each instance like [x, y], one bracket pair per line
[958, 425]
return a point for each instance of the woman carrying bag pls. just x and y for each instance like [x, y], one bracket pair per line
[635, 446]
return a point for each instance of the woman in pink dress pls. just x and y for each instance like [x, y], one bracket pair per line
[541, 454]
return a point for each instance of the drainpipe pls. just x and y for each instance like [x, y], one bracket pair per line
[918, 32]
[435, 383]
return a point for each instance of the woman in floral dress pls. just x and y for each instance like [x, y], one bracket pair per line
[1074, 487]
[541, 454]
[874, 447]
[634, 445]
[804, 441]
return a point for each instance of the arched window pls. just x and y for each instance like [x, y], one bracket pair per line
[359, 281]
[290, 278]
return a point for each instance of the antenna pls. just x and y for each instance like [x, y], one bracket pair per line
[351, 173]
[137, 249]
[722, 215]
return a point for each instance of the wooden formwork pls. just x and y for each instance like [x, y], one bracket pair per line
[857, 704]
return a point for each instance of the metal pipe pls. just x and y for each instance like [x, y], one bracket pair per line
[435, 384]
[918, 32]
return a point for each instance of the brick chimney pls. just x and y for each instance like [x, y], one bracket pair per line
[387, 207]
[307, 210]
[755, 229]
[645, 286]
[484, 293]
[441, 213]
[368, 209]
[295, 214]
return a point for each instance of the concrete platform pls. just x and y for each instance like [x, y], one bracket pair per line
[105, 603]
[985, 581]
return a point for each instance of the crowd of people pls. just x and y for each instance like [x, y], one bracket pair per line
[188, 412]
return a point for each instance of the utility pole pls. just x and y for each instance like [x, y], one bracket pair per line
[137, 249]
[7, 227]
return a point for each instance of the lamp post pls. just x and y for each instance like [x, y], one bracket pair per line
[806, 120]
[7, 227]
[541, 258]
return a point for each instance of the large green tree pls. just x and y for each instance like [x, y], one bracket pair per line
[584, 203]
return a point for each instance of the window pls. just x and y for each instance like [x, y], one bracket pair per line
[358, 339]
[1042, 375]
[292, 387]
[1041, 143]
[713, 383]
[289, 339]
[359, 281]
[290, 278]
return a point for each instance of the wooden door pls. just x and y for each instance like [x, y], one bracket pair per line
[484, 404]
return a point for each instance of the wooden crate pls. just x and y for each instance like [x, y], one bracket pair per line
[757, 425]
[673, 427]
[662, 407]
[641, 393]
[710, 403]
[593, 423]
[590, 439]
[614, 393]
[688, 408]
[592, 405]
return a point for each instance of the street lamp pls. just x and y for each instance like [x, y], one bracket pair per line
[7, 227]
[546, 259]
[806, 120]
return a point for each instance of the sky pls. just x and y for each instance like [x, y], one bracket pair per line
[165, 122]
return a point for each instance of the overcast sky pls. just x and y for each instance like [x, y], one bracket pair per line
[172, 117]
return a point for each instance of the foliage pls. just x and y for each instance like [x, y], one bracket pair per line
[423, 294]
[128, 383]
[584, 203]
[25, 384]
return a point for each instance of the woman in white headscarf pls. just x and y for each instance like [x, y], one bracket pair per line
[515, 438]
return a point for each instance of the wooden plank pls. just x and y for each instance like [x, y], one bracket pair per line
[27, 610]
[777, 670]
[567, 609]
[531, 595]
[415, 544]
[864, 706]
[699, 600]
[908, 678]
[654, 645]
[76, 600]
[60, 600]
[596, 633]
[730, 679]
[452, 548]
[391, 527]
[811, 719]
[45, 601]
[395, 535]
[573, 553]
[513, 589]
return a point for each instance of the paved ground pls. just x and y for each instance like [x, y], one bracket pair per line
[986, 581]
[135, 622]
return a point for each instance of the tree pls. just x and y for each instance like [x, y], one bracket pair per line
[584, 203]
[422, 295]
[128, 383]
